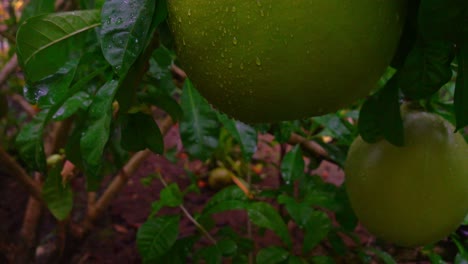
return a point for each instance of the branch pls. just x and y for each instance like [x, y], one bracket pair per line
[8, 69]
[13, 168]
[310, 145]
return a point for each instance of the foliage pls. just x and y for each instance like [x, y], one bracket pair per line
[105, 70]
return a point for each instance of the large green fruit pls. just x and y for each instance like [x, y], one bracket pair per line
[271, 60]
[411, 195]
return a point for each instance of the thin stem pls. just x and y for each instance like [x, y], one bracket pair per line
[14, 169]
[190, 217]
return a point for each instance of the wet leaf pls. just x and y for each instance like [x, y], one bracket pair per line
[46, 42]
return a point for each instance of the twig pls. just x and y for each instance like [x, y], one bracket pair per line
[309, 145]
[14, 169]
[190, 217]
[24, 104]
[28, 232]
[8, 69]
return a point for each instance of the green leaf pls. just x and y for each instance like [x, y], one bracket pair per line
[265, 216]
[244, 134]
[199, 128]
[80, 100]
[180, 251]
[427, 68]
[160, 14]
[46, 42]
[345, 214]
[37, 7]
[94, 138]
[162, 99]
[170, 196]
[30, 142]
[272, 255]
[156, 236]
[213, 254]
[316, 223]
[227, 205]
[380, 116]
[337, 243]
[322, 260]
[292, 166]
[461, 90]
[384, 256]
[52, 89]
[140, 131]
[442, 19]
[57, 194]
[124, 31]
[296, 260]
[229, 193]
[461, 258]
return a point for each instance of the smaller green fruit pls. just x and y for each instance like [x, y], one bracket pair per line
[412, 195]
[219, 178]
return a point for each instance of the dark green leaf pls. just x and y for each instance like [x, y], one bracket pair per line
[461, 258]
[156, 236]
[442, 19]
[180, 251]
[30, 142]
[94, 138]
[461, 90]
[124, 31]
[408, 36]
[322, 260]
[213, 254]
[265, 216]
[160, 14]
[244, 134]
[345, 214]
[199, 128]
[384, 256]
[380, 116]
[292, 166]
[52, 89]
[426, 69]
[296, 260]
[226, 205]
[37, 7]
[316, 223]
[162, 99]
[337, 243]
[139, 132]
[57, 194]
[46, 42]
[272, 255]
[227, 194]
[80, 100]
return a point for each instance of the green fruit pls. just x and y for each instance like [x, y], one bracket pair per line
[219, 178]
[271, 60]
[411, 195]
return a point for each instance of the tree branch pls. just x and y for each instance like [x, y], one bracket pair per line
[8, 69]
[14, 169]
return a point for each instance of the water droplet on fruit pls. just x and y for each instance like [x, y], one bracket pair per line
[258, 61]
[241, 66]
[230, 65]
[189, 12]
[234, 41]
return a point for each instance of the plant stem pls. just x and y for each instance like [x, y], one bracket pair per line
[190, 217]
[14, 169]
